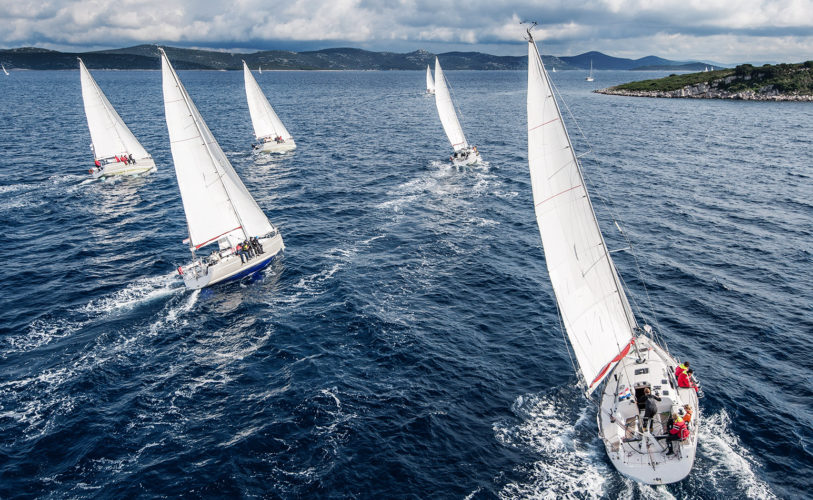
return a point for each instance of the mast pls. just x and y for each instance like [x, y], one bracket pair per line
[590, 297]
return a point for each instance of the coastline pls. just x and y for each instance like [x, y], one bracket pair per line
[699, 92]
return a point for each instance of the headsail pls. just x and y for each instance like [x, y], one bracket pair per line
[215, 201]
[265, 121]
[591, 300]
[430, 83]
[109, 134]
[448, 116]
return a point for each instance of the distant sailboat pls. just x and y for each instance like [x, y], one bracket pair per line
[430, 83]
[116, 151]
[272, 136]
[607, 342]
[590, 76]
[553, 68]
[218, 207]
[464, 154]
[260, 68]
[4, 70]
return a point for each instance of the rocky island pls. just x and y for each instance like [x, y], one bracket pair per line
[778, 82]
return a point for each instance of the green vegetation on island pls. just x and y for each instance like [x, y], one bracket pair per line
[768, 82]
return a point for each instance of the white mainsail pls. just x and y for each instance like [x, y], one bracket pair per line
[448, 117]
[265, 121]
[215, 201]
[109, 134]
[591, 300]
[430, 83]
[4, 70]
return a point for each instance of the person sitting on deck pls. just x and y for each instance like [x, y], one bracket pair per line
[279, 139]
[681, 368]
[687, 414]
[242, 253]
[132, 160]
[685, 380]
[255, 244]
[678, 431]
[651, 409]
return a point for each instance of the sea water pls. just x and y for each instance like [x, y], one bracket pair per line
[407, 344]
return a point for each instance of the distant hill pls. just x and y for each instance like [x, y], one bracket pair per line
[146, 57]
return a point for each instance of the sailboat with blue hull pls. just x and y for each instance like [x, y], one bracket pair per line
[220, 211]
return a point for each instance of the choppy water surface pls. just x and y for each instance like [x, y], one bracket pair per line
[407, 343]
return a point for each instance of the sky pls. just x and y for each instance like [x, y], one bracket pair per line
[726, 31]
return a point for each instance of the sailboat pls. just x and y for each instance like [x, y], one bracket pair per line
[553, 68]
[430, 83]
[116, 151]
[590, 76]
[464, 154]
[4, 70]
[260, 68]
[609, 345]
[272, 136]
[219, 209]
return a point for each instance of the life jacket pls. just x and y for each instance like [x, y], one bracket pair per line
[680, 429]
[680, 369]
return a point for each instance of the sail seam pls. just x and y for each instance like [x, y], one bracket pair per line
[557, 194]
[543, 124]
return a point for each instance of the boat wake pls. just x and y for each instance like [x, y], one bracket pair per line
[570, 463]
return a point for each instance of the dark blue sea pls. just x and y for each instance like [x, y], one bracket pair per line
[407, 344]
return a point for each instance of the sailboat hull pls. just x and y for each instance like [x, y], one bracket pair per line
[142, 166]
[201, 274]
[636, 452]
[472, 158]
[275, 147]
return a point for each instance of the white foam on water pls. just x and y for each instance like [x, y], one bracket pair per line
[569, 466]
[136, 293]
[726, 459]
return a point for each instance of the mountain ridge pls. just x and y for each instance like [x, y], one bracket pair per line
[146, 56]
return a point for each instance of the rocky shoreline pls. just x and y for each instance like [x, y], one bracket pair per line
[706, 91]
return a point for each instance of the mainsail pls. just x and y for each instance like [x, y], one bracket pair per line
[430, 84]
[215, 201]
[109, 134]
[592, 303]
[448, 117]
[265, 120]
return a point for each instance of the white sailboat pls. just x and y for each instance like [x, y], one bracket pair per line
[272, 136]
[260, 68]
[219, 209]
[430, 83]
[464, 154]
[590, 76]
[4, 70]
[116, 151]
[609, 346]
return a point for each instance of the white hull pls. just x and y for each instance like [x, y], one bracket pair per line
[141, 166]
[225, 265]
[589, 79]
[276, 147]
[430, 91]
[639, 455]
[470, 157]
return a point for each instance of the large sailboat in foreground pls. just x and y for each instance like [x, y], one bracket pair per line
[116, 151]
[219, 209]
[272, 136]
[611, 349]
[430, 83]
[464, 154]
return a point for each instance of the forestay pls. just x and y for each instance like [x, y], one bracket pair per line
[215, 201]
[109, 134]
[448, 117]
[591, 300]
[265, 121]
[430, 84]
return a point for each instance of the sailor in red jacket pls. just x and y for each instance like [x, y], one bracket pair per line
[678, 432]
[685, 380]
[680, 369]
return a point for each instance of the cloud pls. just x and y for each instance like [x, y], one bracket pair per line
[711, 29]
